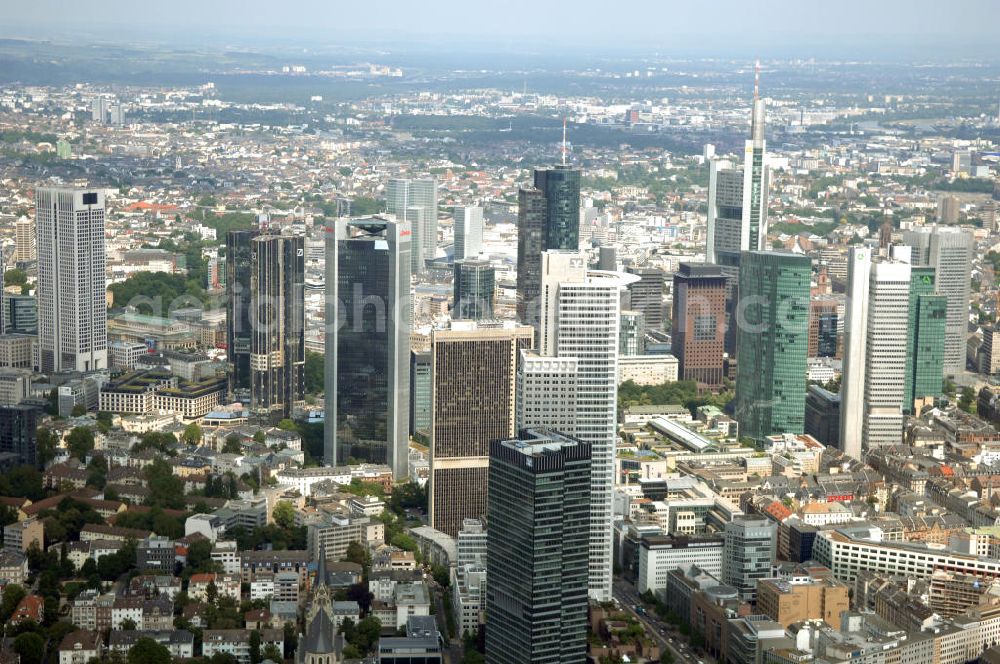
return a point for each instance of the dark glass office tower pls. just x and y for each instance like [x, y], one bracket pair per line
[561, 187]
[21, 314]
[548, 218]
[530, 229]
[238, 296]
[18, 432]
[277, 340]
[646, 295]
[368, 342]
[475, 283]
[537, 541]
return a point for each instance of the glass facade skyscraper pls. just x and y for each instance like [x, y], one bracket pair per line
[530, 244]
[560, 185]
[238, 296]
[537, 549]
[949, 250]
[925, 338]
[368, 342]
[548, 218]
[772, 321]
[474, 285]
[277, 340]
[421, 386]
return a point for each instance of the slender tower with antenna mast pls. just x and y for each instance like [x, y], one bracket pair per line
[564, 142]
[755, 176]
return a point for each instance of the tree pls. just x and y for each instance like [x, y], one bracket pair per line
[968, 399]
[22, 481]
[165, 488]
[80, 442]
[406, 496]
[46, 445]
[272, 653]
[233, 444]
[127, 625]
[358, 553]
[291, 638]
[441, 575]
[192, 434]
[366, 633]
[31, 647]
[148, 651]
[359, 593]
[286, 425]
[15, 277]
[12, 596]
[259, 437]
[284, 514]
[254, 647]
[79, 410]
[314, 373]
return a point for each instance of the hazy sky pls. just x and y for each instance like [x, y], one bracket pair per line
[703, 24]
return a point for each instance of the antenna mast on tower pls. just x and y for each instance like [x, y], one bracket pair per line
[564, 142]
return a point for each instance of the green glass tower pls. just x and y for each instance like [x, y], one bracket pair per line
[925, 338]
[772, 320]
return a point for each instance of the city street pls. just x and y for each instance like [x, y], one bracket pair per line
[626, 594]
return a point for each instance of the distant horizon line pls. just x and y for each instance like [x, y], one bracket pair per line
[767, 45]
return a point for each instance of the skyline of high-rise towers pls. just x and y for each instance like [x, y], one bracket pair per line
[949, 251]
[893, 346]
[548, 219]
[72, 281]
[571, 384]
[736, 220]
[367, 363]
[277, 336]
[416, 201]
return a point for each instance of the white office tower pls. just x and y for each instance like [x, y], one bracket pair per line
[875, 348]
[72, 285]
[949, 251]
[578, 352]
[468, 232]
[737, 198]
[401, 197]
[546, 392]
[24, 239]
[99, 109]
